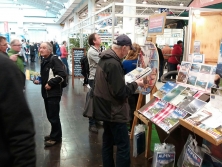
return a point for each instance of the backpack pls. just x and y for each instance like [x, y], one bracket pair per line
[84, 65]
[58, 52]
[66, 81]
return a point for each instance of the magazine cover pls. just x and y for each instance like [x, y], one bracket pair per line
[182, 77]
[211, 82]
[167, 87]
[199, 116]
[34, 75]
[195, 67]
[177, 100]
[189, 92]
[147, 106]
[202, 81]
[191, 159]
[205, 69]
[171, 120]
[195, 105]
[196, 47]
[192, 78]
[185, 102]
[159, 94]
[216, 132]
[216, 97]
[198, 58]
[185, 66]
[173, 93]
[152, 111]
[165, 159]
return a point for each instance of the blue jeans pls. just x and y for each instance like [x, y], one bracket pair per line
[64, 60]
[52, 108]
[92, 121]
[115, 133]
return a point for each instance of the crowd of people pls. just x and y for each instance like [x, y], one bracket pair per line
[114, 101]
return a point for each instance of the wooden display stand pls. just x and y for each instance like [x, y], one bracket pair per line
[202, 133]
[76, 66]
[138, 116]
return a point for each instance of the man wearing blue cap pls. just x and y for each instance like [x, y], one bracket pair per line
[111, 102]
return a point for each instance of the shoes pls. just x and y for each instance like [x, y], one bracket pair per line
[50, 143]
[46, 138]
[93, 129]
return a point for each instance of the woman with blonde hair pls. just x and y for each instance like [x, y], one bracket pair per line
[129, 64]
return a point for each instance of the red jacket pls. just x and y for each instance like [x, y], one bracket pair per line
[176, 54]
[64, 52]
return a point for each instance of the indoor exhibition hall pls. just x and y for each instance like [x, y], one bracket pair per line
[110, 83]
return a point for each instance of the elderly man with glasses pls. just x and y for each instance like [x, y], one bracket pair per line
[14, 54]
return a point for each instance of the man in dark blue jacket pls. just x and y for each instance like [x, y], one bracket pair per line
[52, 76]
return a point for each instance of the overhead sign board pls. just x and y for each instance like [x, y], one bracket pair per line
[156, 24]
[203, 3]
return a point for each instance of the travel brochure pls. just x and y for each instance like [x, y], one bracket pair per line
[195, 105]
[216, 97]
[173, 93]
[137, 74]
[197, 74]
[199, 116]
[168, 120]
[34, 75]
[196, 47]
[167, 87]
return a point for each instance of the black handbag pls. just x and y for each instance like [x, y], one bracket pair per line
[88, 108]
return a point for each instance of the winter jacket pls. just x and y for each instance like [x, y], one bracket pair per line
[17, 145]
[19, 61]
[176, 54]
[111, 94]
[53, 74]
[32, 50]
[93, 59]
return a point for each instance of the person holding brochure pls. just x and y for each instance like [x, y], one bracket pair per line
[129, 64]
[110, 102]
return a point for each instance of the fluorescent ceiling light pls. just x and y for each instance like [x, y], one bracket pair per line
[48, 2]
[105, 0]
[181, 4]
[144, 2]
[47, 7]
[156, 11]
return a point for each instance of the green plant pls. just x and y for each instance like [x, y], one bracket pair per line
[75, 42]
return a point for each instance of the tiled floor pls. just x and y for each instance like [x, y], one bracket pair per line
[79, 147]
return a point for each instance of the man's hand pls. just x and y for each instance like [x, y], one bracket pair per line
[14, 57]
[139, 82]
[47, 87]
[36, 82]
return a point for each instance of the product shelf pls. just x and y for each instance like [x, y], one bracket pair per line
[202, 133]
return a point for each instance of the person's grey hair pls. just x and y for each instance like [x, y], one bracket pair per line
[14, 41]
[49, 46]
[114, 46]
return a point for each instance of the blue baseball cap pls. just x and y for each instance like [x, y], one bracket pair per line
[124, 40]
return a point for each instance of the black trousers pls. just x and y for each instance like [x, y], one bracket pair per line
[172, 67]
[52, 108]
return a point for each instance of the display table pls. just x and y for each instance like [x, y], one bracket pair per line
[200, 132]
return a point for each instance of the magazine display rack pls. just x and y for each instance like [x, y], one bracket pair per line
[202, 133]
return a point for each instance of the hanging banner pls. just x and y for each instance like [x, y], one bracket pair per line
[203, 3]
[6, 27]
[156, 24]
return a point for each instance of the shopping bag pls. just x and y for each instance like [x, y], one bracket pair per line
[164, 155]
[191, 154]
[88, 108]
[139, 139]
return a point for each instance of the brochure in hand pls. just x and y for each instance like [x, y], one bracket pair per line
[136, 74]
[34, 75]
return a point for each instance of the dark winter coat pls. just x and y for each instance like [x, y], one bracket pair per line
[17, 145]
[111, 93]
[57, 73]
